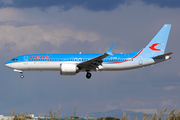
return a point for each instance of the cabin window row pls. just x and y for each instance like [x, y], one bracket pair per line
[57, 59]
[80, 59]
[47, 59]
[117, 59]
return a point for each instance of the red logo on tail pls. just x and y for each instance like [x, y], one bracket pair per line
[152, 47]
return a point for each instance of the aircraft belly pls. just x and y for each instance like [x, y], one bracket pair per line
[127, 65]
[45, 66]
[120, 66]
[36, 66]
[42, 66]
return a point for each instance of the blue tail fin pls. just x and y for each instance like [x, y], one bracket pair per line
[158, 44]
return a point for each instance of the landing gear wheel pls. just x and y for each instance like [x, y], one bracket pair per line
[22, 76]
[88, 75]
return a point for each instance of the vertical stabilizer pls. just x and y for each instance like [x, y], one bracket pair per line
[158, 44]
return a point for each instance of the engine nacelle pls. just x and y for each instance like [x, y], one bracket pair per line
[68, 69]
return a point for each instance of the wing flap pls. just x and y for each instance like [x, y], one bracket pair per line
[95, 62]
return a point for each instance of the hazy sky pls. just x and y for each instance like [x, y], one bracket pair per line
[73, 26]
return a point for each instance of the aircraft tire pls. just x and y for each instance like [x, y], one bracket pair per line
[22, 76]
[88, 75]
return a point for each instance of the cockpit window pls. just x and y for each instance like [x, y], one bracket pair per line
[14, 59]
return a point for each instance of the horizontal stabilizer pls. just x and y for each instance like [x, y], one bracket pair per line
[160, 56]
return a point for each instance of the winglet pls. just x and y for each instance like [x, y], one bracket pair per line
[110, 50]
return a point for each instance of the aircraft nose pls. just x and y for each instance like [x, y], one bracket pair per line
[8, 65]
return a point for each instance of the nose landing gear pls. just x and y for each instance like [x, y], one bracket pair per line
[88, 75]
[20, 71]
[22, 76]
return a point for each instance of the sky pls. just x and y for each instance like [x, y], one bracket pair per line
[58, 26]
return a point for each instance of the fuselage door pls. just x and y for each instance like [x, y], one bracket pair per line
[140, 60]
[25, 58]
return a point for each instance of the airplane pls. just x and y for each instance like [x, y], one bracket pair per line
[71, 64]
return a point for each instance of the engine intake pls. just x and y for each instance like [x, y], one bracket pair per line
[68, 69]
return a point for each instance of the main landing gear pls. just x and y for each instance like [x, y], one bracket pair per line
[88, 75]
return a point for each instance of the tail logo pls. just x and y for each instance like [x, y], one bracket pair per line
[152, 47]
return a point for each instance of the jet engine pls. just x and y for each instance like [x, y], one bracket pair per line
[68, 69]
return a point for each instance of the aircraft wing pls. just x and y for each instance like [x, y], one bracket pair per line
[94, 62]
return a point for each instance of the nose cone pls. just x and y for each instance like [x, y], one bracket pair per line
[8, 64]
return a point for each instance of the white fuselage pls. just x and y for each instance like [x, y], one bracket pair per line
[55, 65]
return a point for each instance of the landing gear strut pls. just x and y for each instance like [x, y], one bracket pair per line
[88, 75]
[20, 71]
[22, 76]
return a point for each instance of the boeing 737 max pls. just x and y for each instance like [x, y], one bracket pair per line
[71, 64]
